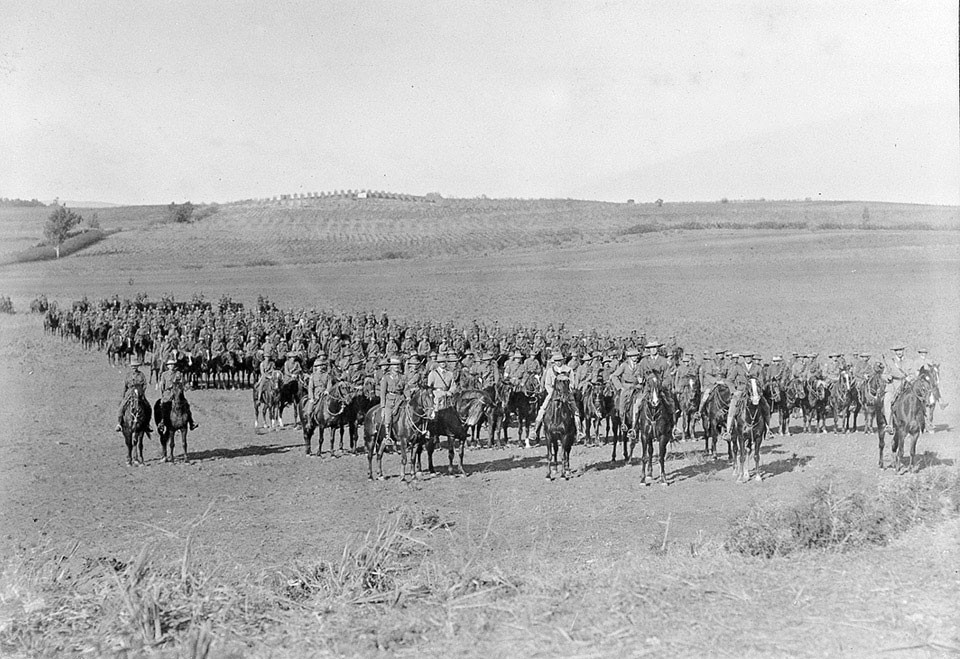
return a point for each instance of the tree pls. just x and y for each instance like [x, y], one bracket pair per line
[180, 212]
[58, 226]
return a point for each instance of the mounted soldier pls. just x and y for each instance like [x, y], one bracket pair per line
[740, 378]
[626, 380]
[487, 374]
[391, 395]
[555, 369]
[895, 372]
[171, 379]
[134, 385]
[319, 384]
[443, 383]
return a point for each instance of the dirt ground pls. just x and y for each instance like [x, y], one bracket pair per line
[255, 502]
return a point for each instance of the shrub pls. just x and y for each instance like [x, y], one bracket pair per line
[180, 212]
[6, 304]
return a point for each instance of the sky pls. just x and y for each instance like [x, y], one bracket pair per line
[146, 102]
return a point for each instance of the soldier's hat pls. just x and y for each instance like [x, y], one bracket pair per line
[596, 354]
[517, 353]
[383, 362]
[735, 354]
[777, 358]
[631, 352]
[170, 362]
[292, 353]
[136, 362]
[721, 352]
[322, 355]
[795, 353]
[897, 346]
[485, 357]
[556, 357]
[653, 344]
[413, 359]
[922, 351]
[395, 361]
[746, 354]
[865, 355]
[357, 360]
[834, 355]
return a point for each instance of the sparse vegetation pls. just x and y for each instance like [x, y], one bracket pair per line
[180, 213]
[6, 304]
[836, 515]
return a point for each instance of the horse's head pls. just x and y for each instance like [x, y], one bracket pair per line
[561, 388]
[651, 385]
[753, 388]
[421, 403]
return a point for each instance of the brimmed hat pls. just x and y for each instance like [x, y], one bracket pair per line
[395, 361]
[357, 360]
[170, 362]
[747, 354]
[136, 362]
[383, 362]
[898, 346]
[632, 352]
[556, 357]
[320, 356]
[777, 358]
[833, 355]
[517, 353]
[485, 357]
[413, 359]
[652, 344]
[720, 352]
[596, 354]
[865, 355]
[922, 351]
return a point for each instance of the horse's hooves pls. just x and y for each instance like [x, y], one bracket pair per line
[758, 478]
[663, 483]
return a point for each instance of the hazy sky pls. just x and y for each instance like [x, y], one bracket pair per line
[154, 102]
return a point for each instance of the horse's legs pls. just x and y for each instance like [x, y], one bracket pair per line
[183, 439]
[663, 458]
[307, 438]
[913, 449]
[463, 445]
[756, 456]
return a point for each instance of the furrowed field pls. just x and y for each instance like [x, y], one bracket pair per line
[255, 549]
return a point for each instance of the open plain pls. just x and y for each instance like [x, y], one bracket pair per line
[502, 562]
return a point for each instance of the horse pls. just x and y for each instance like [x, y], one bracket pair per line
[522, 401]
[598, 405]
[474, 406]
[654, 421]
[815, 405]
[451, 422]
[688, 403]
[408, 424]
[266, 401]
[870, 392]
[909, 412]
[841, 399]
[715, 418]
[934, 398]
[749, 429]
[560, 428]
[135, 423]
[172, 417]
[328, 411]
[290, 394]
[773, 392]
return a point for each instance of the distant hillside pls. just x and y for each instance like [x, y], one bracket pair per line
[333, 229]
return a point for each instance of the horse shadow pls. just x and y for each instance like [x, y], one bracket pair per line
[250, 450]
[508, 464]
[932, 459]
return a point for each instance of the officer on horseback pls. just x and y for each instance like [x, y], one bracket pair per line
[556, 369]
[740, 378]
[626, 379]
[168, 380]
[319, 384]
[895, 372]
[443, 382]
[391, 394]
[134, 385]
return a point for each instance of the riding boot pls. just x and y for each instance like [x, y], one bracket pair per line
[193, 426]
[580, 433]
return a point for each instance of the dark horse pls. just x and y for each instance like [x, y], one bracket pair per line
[135, 423]
[474, 406]
[408, 426]
[749, 430]
[559, 428]
[655, 421]
[599, 406]
[909, 412]
[451, 422]
[290, 394]
[327, 412]
[815, 405]
[266, 402]
[172, 417]
[843, 397]
[791, 397]
[870, 392]
[715, 418]
[522, 401]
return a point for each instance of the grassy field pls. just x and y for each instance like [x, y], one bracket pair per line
[254, 549]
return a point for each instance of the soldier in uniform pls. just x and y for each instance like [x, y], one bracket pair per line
[134, 384]
[391, 394]
[555, 369]
[514, 370]
[687, 369]
[895, 372]
[626, 379]
[443, 383]
[831, 370]
[487, 373]
[319, 384]
[740, 378]
[168, 379]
